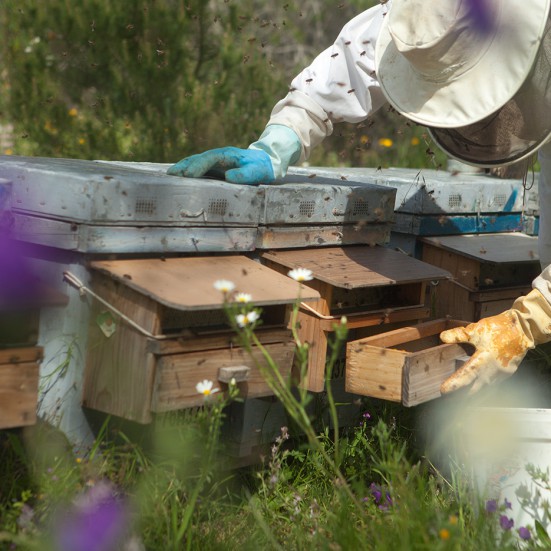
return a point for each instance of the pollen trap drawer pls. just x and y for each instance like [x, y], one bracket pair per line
[160, 328]
[407, 365]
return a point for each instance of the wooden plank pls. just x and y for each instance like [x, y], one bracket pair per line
[288, 236]
[500, 248]
[311, 332]
[188, 283]
[119, 372]
[411, 333]
[425, 372]
[380, 318]
[21, 355]
[373, 371]
[212, 341]
[18, 394]
[358, 266]
[511, 293]
[177, 375]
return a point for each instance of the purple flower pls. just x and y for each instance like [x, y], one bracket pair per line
[376, 492]
[491, 506]
[481, 16]
[508, 504]
[524, 533]
[366, 415]
[98, 521]
[505, 522]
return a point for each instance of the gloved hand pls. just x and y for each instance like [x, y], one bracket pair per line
[501, 342]
[263, 162]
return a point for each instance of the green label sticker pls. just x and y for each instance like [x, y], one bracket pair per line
[106, 322]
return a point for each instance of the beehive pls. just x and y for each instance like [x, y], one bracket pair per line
[176, 332]
[489, 272]
[372, 286]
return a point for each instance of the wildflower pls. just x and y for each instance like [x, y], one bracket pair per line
[301, 274]
[78, 459]
[97, 519]
[524, 533]
[364, 139]
[453, 520]
[247, 319]
[491, 506]
[414, 140]
[81, 141]
[73, 112]
[508, 504]
[205, 388]
[385, 142]
[224, 286]
[505, 522]
[366, 415]
[243, 297]
[8, 151]
[444, 534]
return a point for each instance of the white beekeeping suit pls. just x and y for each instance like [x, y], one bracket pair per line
[477, 74]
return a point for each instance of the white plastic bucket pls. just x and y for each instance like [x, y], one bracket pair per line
[502, 444]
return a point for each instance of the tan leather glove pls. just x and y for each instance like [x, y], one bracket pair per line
[501, 342]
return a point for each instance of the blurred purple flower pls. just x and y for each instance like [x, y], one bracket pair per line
[99, 520]
[491, 506]
[505, 522]
[376, 492]
[366, 415]
[508, 504]
[481, 15]
[524, 533]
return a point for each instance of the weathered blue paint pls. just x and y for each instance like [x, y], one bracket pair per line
[509, 206]
[450, 225]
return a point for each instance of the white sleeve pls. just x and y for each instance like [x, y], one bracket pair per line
[339, 86]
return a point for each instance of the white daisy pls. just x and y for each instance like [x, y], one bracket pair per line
[205, 388]
[247, 319]
[301, 274]
[224, 286]
[243, 297]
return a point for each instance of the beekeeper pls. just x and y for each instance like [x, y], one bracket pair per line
[476, 73]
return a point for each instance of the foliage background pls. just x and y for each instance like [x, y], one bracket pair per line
[157, 80]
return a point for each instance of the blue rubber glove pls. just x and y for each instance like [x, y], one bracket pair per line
[263, 162]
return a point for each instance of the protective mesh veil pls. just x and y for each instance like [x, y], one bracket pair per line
[513, 132]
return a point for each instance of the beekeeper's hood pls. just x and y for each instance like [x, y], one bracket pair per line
[477, 73]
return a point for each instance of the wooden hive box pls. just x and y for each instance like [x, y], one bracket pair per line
[406, 365]
[19, 372]
[489, 272]
[176, 332]
[374, 287]
[20, 356]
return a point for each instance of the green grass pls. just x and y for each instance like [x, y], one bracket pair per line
[368, 486]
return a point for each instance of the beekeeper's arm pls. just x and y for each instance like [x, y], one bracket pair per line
[339, 86]
[502, 341]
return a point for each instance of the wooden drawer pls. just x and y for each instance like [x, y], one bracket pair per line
[19, 373]
[177, 374]
[407, 365]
